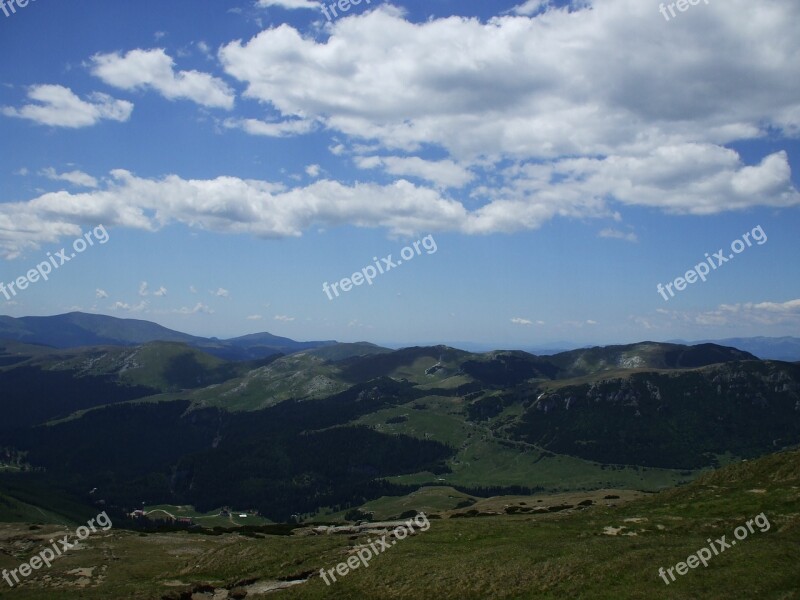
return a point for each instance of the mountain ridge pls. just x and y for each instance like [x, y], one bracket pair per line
[78, 329]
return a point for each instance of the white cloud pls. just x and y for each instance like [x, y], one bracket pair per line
[533, 194]
[789, 307]
[767, 178]
[618, 235]
[143, 289]
[61, 107]
[192, 289]
[283, 318]
[255, 318]
[580, 324]
[221, 293]
[442, 173]
[313, 171]
[687, 179]
[78, 178]
[521, 321]
[134, 308]
[100, 293]
[563, 82]
[225, 204]
[530, 7]
[154, 69]
[289, 4]
[634, 135]
[757, 315]
[279, 129]
[161, 291]
[205, 49]
[198, 308]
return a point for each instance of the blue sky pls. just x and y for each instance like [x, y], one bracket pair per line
[565, 157]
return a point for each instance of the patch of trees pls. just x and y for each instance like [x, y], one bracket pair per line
[31, 395]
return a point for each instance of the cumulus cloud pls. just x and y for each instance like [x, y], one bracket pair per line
[289, 4]
[698, 179]
[522, 86]
[531, 7]
[756, 315]
[762, 313]
[280, 129]
[560, 105]
[221, 293]
[161, 291]
[143, 289]
[134, 308]
[582, 126]
[154, 69]
[100, 293]
[521, 321]
[59, 106]
[616, 234]
[442, 173]
[198, 308]
[225, 204]
[532, 195]
[78, 178]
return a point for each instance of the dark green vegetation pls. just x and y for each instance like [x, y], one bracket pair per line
[668, 420]
[606, 550]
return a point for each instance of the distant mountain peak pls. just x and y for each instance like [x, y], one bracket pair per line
[78, 329]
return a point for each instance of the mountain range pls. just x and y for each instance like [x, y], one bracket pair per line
[329, 427]
[76, 329]
[769, 348]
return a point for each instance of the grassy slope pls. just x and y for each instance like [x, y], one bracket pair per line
[561, 555]
[484, 458]
[16, 511]
[343, 351]
[296, 376]
[28, 501]
[159, 365]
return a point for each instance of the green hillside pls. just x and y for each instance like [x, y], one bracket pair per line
[537, 547]
[339, 352]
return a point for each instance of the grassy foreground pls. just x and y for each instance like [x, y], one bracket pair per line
[605, 551]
